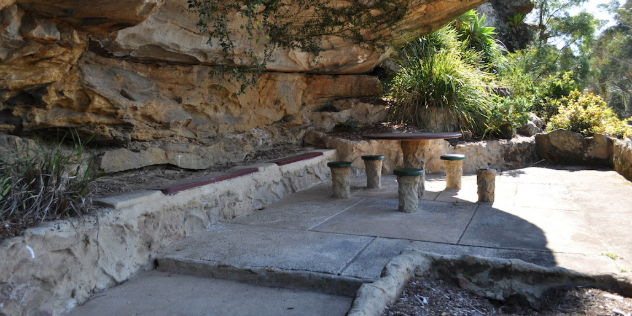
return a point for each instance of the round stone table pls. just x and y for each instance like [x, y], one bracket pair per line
[414, 148]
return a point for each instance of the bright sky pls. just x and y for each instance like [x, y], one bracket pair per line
[591, 7]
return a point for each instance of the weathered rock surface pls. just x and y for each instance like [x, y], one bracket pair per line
[498, 13]
[622, 157]
[35, 53]
[52, 268]
[502, 155]
[533, 126]
[494, 278]
[569, 148]
[171, 34]
[486, 183]
[137, 76]
[180, 115]
[98, 16]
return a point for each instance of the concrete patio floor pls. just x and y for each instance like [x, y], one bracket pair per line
[567, 217]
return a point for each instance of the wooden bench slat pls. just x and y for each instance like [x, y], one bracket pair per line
[291, 159]
[173, 188]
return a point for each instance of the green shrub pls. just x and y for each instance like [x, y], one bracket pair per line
[474, 35]
[508, 112]
[587, 114]
[38, 184]
[436, 72]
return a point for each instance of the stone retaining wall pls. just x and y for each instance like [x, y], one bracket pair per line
[558, 147]
[57, 265]
[569, 148]
[503, 154]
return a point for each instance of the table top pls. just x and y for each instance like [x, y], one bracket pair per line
[413, 136]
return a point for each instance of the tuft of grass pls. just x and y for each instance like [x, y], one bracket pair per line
[623, 269]
[611, 255]
[38, 184]
[436, 72]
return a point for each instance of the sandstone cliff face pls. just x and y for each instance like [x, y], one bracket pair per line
[498, 13]
[138, 76]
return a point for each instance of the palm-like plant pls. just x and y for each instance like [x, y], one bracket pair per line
[473, 33]
[437, 76]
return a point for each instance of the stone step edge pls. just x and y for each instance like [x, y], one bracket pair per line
[529, 280]
[263, 276]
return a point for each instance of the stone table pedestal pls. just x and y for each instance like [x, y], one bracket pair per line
[414, 148]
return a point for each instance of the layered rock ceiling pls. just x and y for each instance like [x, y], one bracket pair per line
[137, 75]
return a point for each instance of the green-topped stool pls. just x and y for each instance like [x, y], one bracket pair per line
[373, 167]
[340, 176]
[454, 170]
[408, 180]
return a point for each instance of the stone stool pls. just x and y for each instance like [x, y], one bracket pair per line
[373, 167]
[408, 180]
[486, 181]
[341, 175]
[454, 170]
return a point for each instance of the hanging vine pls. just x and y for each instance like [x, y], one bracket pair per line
[294, 24]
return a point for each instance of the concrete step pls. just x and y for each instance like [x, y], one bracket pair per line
[162, 293]
[268, 256]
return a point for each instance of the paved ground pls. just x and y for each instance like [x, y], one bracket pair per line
[578, 219]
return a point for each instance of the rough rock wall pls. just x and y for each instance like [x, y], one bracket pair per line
[568, 148]
[502, 155]
[622, 158]
[498, 13]
[138, 75]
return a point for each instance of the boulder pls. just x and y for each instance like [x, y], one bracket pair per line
[343, 111]
[569, 148]
[533, 126]
[498, 13]
[622, 157]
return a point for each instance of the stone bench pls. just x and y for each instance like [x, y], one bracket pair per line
[408, 180]
[341, 176]
[173, 188]
[454, 170]
[291, 159]
[373, 167]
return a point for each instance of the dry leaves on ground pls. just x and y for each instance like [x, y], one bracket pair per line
[423, 296]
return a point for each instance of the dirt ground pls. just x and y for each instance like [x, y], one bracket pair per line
[424, 296]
